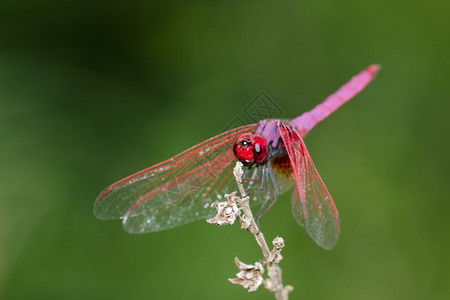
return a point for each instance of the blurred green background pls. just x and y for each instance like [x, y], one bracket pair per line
[93, 91]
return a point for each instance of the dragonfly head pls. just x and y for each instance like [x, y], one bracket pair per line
[251, 149]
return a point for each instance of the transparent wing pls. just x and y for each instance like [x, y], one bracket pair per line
[176, 191]
[312, 205]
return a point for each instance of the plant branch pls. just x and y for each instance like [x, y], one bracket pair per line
[250, 276]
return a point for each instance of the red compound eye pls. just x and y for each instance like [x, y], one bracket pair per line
[243, 150]
[259, 148]
[250, 149]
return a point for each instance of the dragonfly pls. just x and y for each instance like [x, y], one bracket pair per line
[181, 189]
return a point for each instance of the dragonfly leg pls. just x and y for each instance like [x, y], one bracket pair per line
[246, 173]
[266, 180]
[275, 191]
[255, 178]
[262, 180]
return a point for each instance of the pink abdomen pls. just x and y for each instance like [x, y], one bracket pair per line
[308, 120]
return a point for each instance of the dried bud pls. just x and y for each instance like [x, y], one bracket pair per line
[249, 276]
[278, 243]
[227, 211]
[275, 255]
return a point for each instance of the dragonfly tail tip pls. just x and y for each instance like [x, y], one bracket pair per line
[373, 69]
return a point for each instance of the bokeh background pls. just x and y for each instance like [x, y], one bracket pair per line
[91, 91]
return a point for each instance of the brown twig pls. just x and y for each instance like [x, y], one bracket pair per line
[250, 276]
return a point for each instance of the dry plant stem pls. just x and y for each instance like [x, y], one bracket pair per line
[248, 215]
[271, 258]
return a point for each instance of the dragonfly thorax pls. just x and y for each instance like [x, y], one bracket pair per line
[251, 149]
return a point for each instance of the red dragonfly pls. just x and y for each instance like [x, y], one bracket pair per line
[181, 189]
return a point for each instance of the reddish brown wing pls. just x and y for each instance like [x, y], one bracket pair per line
[176, 191]
[312, 205]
